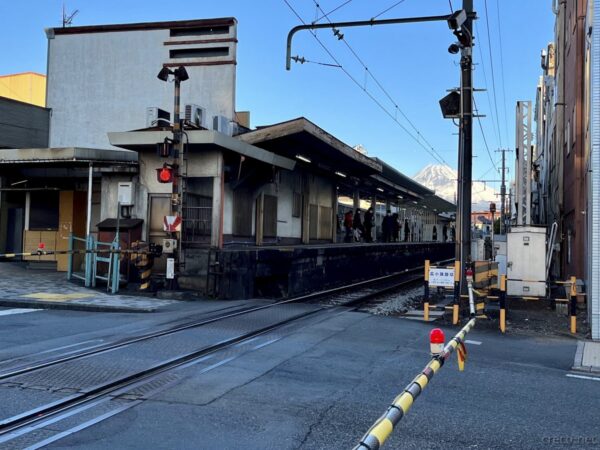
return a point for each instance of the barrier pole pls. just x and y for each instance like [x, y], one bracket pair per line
[573, 305]
[503, 303]
[426, 295]
[456, 292]
[384, 426]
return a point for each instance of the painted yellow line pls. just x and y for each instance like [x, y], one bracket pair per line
[49, 296]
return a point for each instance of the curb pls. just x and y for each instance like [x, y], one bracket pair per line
[72, 306]
[578, 362]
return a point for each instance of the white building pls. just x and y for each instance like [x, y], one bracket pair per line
[103, 78]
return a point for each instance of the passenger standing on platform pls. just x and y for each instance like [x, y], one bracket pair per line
[369, 225]
[395, 228]
[386, 226]
[357, 225]
[348, 226]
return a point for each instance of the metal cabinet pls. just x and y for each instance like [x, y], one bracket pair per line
[526, 261]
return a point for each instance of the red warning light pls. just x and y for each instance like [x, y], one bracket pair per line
[436, 341]
[164, 174]
[41, 246]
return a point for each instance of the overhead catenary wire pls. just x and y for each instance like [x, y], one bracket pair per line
[483, 135]
[369, 73]
[332, 11]
[487, 21]
[387, 9]
[420, 139]
[487, 91]
[502, 71]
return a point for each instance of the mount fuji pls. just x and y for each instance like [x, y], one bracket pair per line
[442, 179]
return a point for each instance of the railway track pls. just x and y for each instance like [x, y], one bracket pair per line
[84, 381]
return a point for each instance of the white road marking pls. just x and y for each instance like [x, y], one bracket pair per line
[8, 312]
[583, 377]
[469, 341]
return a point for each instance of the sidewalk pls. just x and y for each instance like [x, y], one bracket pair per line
[587, 357]
[30, 288]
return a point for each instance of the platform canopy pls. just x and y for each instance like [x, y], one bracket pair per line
[196, 141]
[302, 140]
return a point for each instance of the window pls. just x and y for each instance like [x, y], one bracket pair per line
[297, 204]
[200, 31]
[199, 52]
[43, 210]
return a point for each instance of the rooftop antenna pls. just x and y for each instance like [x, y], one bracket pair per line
[67, 20]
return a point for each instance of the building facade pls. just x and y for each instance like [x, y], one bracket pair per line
[26, 87]
[103, 78]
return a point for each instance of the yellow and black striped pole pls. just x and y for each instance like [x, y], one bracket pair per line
[573, 305]
[455, 303]
[503, 303]
[426, 294]
[382, 429]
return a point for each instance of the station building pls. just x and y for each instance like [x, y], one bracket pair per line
[262, 207]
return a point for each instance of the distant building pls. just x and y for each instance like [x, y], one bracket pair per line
[27, 87]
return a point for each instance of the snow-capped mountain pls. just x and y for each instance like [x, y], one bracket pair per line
[442, 179]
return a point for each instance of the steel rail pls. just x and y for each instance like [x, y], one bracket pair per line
[28, 418]
[28, 368]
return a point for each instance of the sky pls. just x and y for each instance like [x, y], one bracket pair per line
[385, 94]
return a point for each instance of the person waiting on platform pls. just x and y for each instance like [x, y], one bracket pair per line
[348, 226]
[395, 228]
[386, 226]
[368, 224]
[357, 225]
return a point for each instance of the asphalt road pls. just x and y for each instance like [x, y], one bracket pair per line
[322, 386]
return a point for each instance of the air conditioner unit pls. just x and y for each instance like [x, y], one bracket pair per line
[156, 117]
[196, 115]
[169, 245]
[222, 124]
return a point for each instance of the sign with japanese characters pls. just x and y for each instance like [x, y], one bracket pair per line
[439, 276]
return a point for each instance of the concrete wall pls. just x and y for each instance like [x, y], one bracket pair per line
[270, 272]
[23, 125]
[100, 82]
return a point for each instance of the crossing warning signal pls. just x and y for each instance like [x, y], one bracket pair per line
[165, 174]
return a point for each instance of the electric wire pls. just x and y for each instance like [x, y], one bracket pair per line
[332, 11]
[483, 135]
[432, 152]
[388, 9]
[487, 91]
[370, 74]
[502, 70]
[492, 68]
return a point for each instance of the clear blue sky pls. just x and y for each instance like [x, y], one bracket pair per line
[410, 61]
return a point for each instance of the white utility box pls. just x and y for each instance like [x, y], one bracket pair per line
[526, 261]
[125, 193]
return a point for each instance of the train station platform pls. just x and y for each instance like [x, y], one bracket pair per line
[285, 271]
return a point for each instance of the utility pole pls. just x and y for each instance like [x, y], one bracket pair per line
[465, 150]
[503, 193]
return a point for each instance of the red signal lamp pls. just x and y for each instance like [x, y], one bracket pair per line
[436, 341]
[165, 174]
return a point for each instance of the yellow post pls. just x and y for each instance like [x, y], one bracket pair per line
[573, 305]
[503, 303]
[426, 297]
[456, 292]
